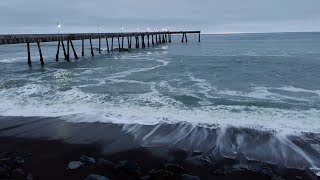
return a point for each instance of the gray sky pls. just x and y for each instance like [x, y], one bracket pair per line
[210, 16]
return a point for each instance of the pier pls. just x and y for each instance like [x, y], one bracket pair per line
[142, 39]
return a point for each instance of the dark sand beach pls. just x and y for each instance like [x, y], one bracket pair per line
[48, 154]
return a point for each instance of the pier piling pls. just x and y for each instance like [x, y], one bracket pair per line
[64, 51]
[119, 44]
[40, 53]
[99, 45]
[58, 49]
[92, 54]
[82, 52]
[112, 44]
[130, 42]
[143, 45]
[29, 54]
[137, 41]
[122, 42]
[74, 51]
[68, 50]
[107, 45]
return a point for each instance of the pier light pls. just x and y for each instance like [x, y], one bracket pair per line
[98, 27]
[148, 29]
[121, 28]
[58, 27]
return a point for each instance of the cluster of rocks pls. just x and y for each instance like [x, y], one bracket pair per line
[12, 166]
[132, 170]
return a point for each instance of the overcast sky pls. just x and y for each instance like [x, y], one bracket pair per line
[210, 16]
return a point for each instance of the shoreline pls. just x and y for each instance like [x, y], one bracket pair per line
[49, 160]
[54, 143]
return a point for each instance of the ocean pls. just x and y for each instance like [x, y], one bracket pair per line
[257, 95]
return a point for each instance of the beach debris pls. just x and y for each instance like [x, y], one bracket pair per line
[96, 177]
[189, 177]
[176, 168]
[74, 165]
[87, 159]
[161, 173]
[129, 167]
[105, 163]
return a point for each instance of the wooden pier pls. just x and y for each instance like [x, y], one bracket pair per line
[139, 37]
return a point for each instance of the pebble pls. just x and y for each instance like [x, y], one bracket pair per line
[87, 159]
[129, 167]
[105, 163]
[74, 165]
[144, 178]
[161, 173]
[176, 168]
[189, 177]
[196, 153]
[18, 172]
[18, 160]
[11, 165]
[96, 177]
[219, 172]
[4, 172]
[29, 177]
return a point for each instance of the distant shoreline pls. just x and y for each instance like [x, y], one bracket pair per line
[233, 33]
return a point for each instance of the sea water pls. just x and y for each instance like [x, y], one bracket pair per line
[254, 94]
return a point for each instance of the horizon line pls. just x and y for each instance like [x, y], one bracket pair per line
[272, 32]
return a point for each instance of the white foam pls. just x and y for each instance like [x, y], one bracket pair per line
[261, 93]
[148, 108]
[294, 89]
[152, 108]
[256, 92]
[316, 171]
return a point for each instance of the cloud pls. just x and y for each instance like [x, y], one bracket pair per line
[208, 15]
